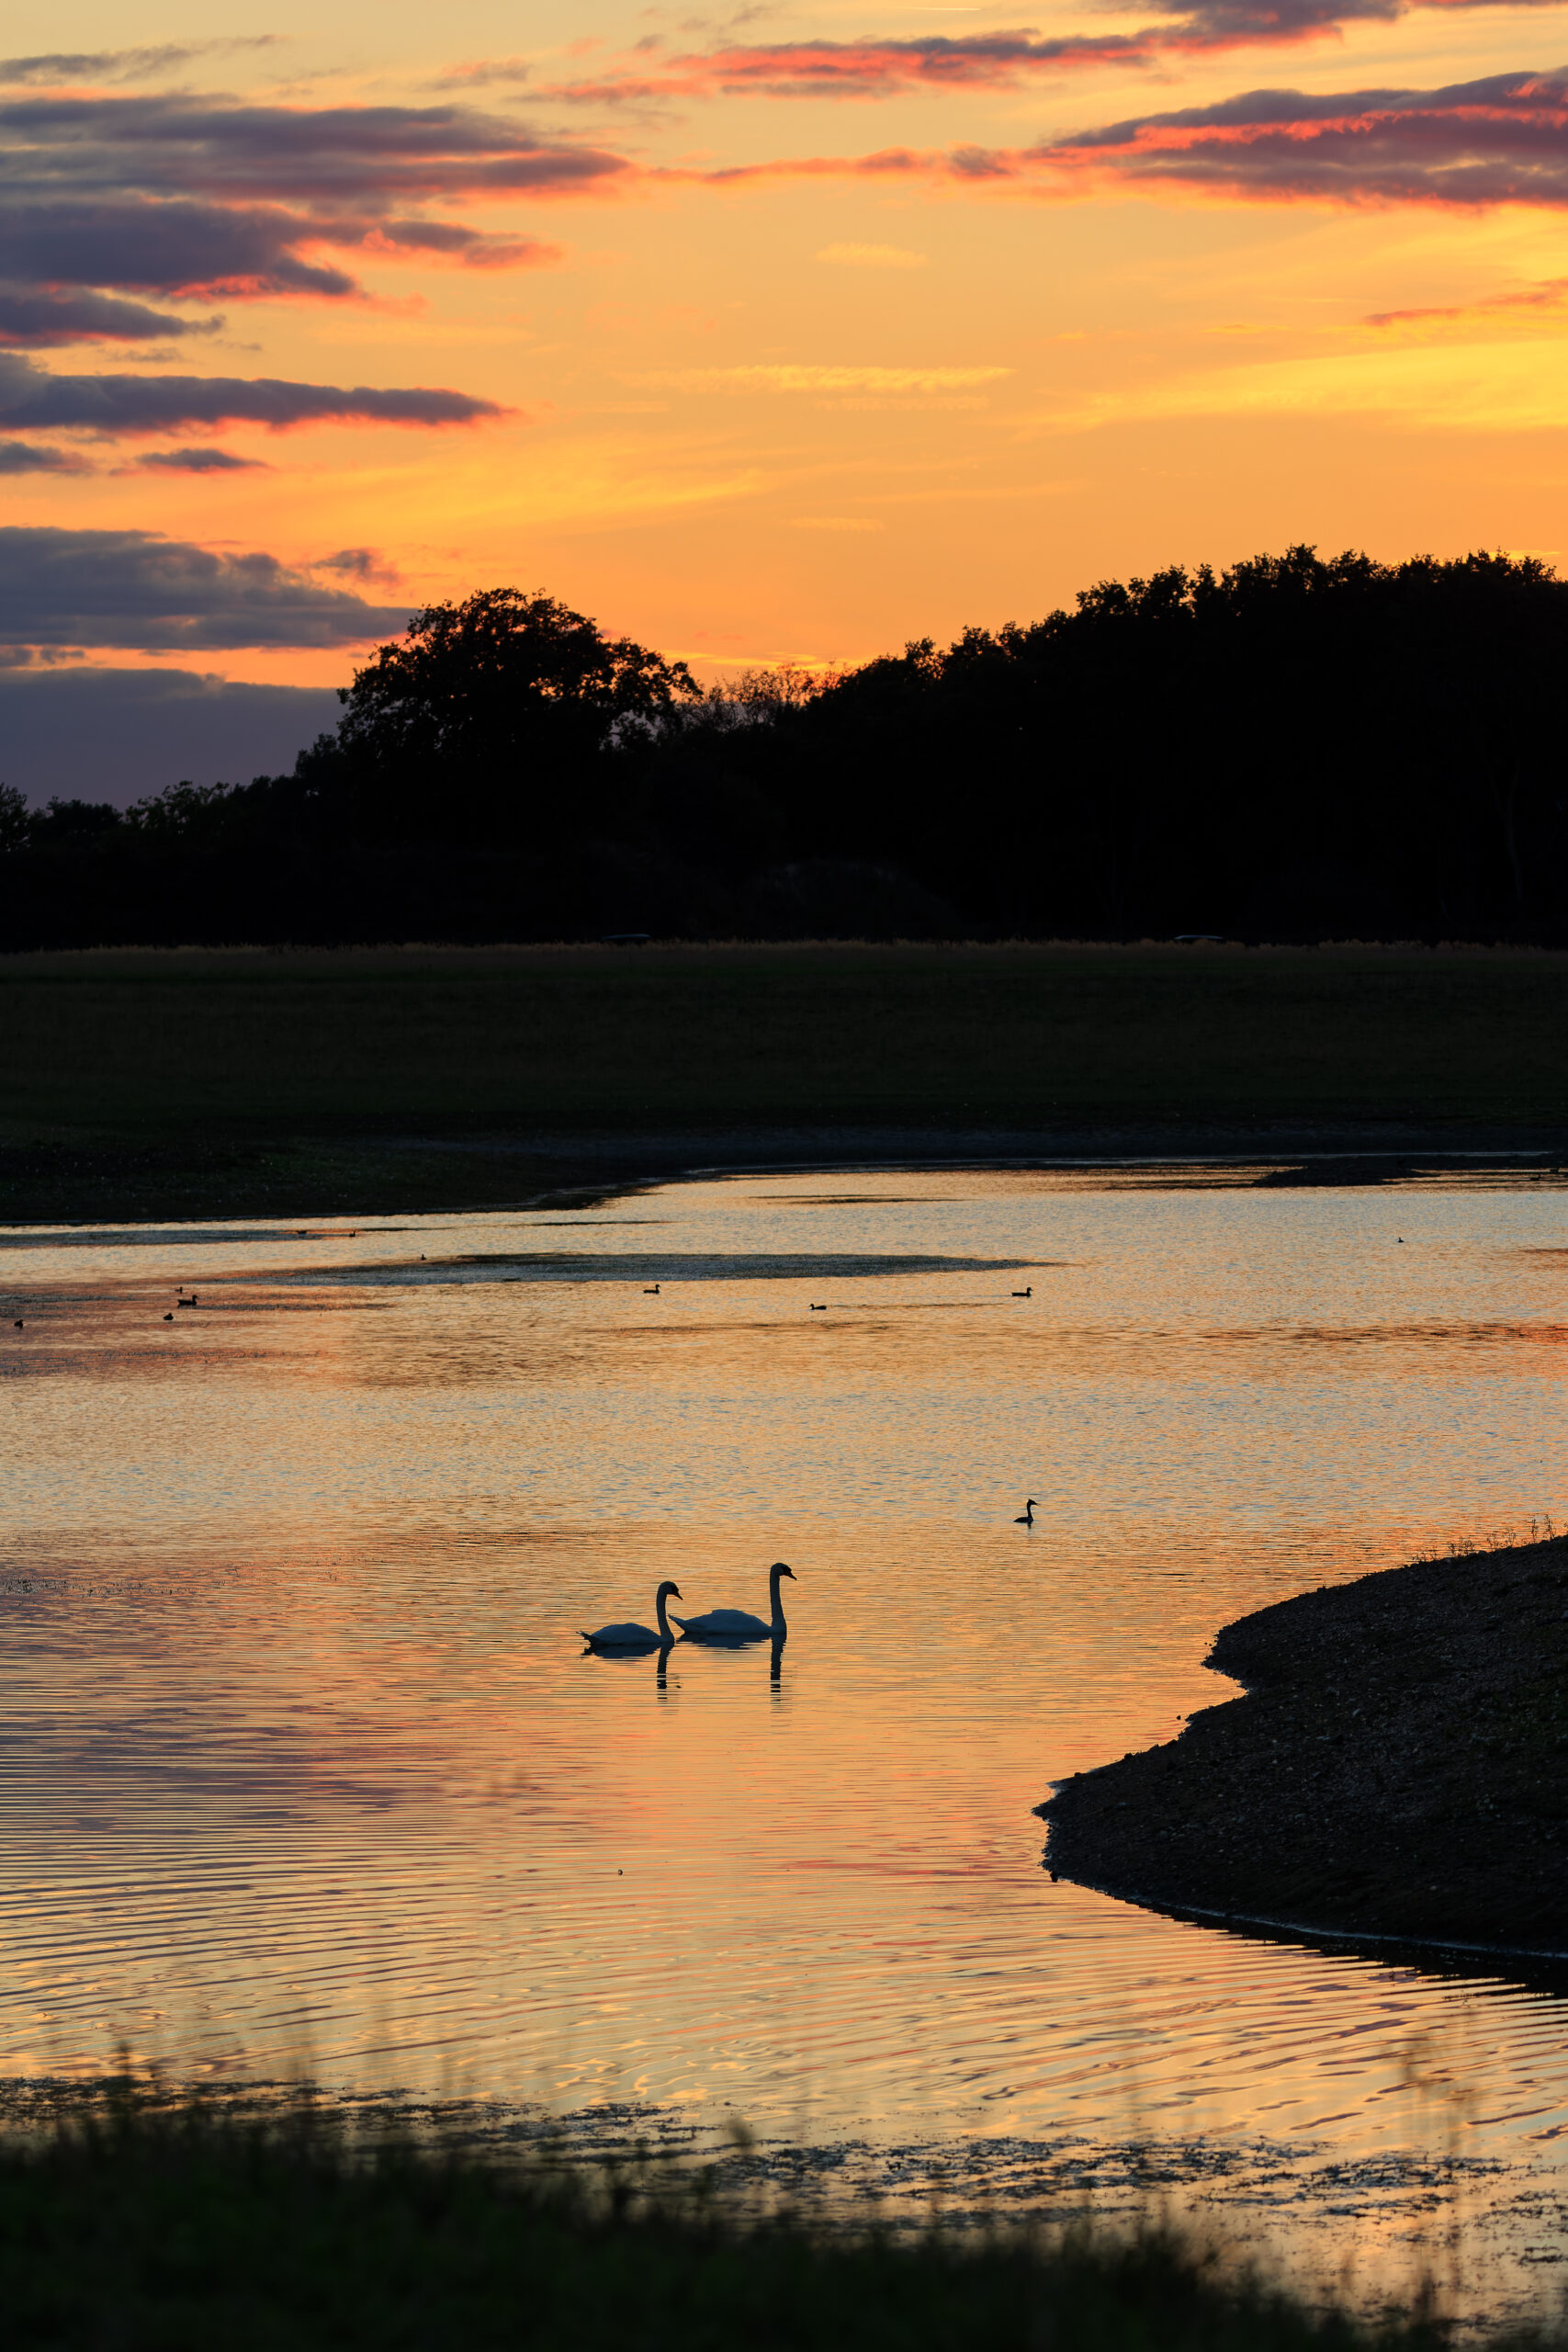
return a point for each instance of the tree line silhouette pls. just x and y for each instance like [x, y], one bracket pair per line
[1294, 750]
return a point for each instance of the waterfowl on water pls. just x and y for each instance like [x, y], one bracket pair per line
[650, 1290]
[1028, 1517]
[821, 1310]
[638, 1637]
[739, 1624]
[1025, 1294]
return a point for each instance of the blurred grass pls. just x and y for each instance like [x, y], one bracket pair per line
[199, 1061]
[177, 2231]
[690, 1036]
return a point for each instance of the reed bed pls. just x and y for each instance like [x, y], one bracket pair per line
[146, 2225]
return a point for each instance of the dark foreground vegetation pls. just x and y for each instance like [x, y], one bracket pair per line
[1297, 749]
[176, 2232]
[302, 1084]
[1398, 1767]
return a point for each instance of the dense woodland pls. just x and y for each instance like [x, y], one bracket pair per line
[1295, 750]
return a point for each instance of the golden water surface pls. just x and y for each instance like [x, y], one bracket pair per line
[303, 1768]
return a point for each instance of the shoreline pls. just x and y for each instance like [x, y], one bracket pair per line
[1395, 1771]
[109, 1179]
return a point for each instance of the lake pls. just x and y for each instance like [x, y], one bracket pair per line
[303, 1771]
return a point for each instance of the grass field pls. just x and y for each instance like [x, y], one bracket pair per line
[179, 2232]
[237, 1078]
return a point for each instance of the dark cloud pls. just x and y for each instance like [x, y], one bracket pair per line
[472, 247]
[360, 564]
[164, 247]
[137, 589]
[207, 252]
[117, 735]
[40, 315]
[201, 462]
[36, 458]
[937, 62]
[32, 398]
[122, 64]
[351, 160]
[201, 199]
[1500, 141]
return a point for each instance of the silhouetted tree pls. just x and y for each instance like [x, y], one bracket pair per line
[14, 826]
[490, 717]
[1299, 747]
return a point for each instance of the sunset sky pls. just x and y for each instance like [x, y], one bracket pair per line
[783, 333]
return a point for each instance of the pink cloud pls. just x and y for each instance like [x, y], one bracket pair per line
[1501, 140]
[932, 63]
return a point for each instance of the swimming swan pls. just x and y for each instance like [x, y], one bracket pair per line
[638, 1637]
[739, 1624]
[1027, 1521]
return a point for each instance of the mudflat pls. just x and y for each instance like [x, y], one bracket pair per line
[1398, 1766]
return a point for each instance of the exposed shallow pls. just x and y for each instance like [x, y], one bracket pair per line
[1398, 1769]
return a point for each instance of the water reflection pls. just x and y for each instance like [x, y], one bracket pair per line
[297, 1756]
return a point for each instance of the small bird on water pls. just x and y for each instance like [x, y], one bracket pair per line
[1027, 1518]
[1025, 1294]
[650, 1291]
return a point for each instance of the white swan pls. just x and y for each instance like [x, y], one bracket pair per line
[739, 1624]
[638, 1637]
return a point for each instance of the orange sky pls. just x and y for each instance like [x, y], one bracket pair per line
[805, 337]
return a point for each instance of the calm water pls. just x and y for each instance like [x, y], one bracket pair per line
[301, 1767]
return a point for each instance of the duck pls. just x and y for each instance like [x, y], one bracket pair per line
[821, 1310]
[1027, 1519]
[1025, 1294]
[739, 1624]
[638, 1637]
[650, 1290]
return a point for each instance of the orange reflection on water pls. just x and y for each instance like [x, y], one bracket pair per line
[303, 1766]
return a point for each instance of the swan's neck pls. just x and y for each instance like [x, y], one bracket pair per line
[776, 1589]
[661, 1603]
